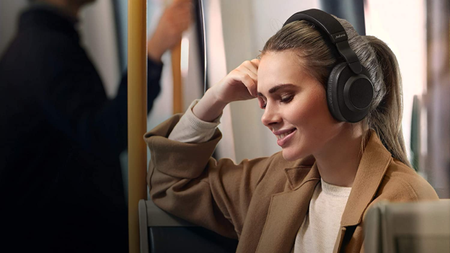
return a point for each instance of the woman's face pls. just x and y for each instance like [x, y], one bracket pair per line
[295, 107]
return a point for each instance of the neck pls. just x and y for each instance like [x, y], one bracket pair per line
[338, 162]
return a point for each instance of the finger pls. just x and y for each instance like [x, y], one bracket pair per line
[250, 68]
[252, 88]
[255, 63]
[250, 83]
[252, 65]
[250, 71]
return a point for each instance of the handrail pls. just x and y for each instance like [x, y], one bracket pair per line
[137, 115]
[177, 80]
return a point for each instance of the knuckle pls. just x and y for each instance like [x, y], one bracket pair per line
[245, 63]
[248, 79]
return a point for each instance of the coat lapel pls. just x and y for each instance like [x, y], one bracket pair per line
[371, 170]
[287, 211]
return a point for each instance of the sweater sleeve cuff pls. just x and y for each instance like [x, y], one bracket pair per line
[193, 130]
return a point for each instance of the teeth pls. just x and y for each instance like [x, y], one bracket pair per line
[281, 136]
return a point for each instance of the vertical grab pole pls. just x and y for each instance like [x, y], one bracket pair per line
[137, 115]
[177, 82]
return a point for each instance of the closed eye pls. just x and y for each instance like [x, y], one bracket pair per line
[286, 99]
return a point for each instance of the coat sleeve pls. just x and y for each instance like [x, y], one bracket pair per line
[185, 181]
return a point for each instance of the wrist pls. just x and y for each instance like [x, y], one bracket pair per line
[154, 51]
[214, 94]
[209, 107]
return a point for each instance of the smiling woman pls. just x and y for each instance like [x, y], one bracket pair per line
[332, 99]
[295, 107]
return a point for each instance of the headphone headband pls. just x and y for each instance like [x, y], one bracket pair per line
[349, 89]
[335, 32]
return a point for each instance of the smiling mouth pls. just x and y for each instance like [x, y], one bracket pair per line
[281, 136]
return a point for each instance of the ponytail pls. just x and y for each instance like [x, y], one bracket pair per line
[386, 118]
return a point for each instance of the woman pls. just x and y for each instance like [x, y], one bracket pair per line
[313, 195]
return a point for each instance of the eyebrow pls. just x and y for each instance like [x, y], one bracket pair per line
[278, 87]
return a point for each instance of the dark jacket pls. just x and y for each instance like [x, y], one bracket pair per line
[60, 138]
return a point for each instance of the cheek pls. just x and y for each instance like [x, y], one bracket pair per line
[314, 118]
[320, 106]
[313, 107]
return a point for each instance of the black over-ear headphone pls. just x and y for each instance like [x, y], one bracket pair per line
[349, 89]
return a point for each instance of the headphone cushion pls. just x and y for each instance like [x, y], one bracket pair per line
[348, 95]
[332, 91]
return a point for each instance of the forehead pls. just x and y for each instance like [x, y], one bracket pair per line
[279, 68]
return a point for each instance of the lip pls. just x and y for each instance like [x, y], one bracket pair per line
[285, 139]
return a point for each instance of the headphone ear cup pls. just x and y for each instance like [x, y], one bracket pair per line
[332, 91]
[349, 96]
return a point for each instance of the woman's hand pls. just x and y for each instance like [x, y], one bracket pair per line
[239, 84]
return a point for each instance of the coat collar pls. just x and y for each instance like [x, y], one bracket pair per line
[302, 171]
[371, 170]
[287, 210]
[372, 167]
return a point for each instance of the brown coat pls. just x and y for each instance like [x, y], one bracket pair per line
[263, 201]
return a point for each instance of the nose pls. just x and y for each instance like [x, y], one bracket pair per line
[270, 116]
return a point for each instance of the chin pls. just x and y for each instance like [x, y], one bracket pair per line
[289, 155]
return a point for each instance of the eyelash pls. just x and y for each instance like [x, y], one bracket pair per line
[285, 100]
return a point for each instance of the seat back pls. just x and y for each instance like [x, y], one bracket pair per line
[160, 232]
[408, 227]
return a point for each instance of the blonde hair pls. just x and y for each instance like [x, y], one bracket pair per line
[319, 57]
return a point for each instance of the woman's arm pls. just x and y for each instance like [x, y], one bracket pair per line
[239, 84]
[185, 181]
[193, 130]
[183, 178]
[202, 117]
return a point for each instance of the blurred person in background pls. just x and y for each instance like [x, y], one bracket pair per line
[61, 186]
